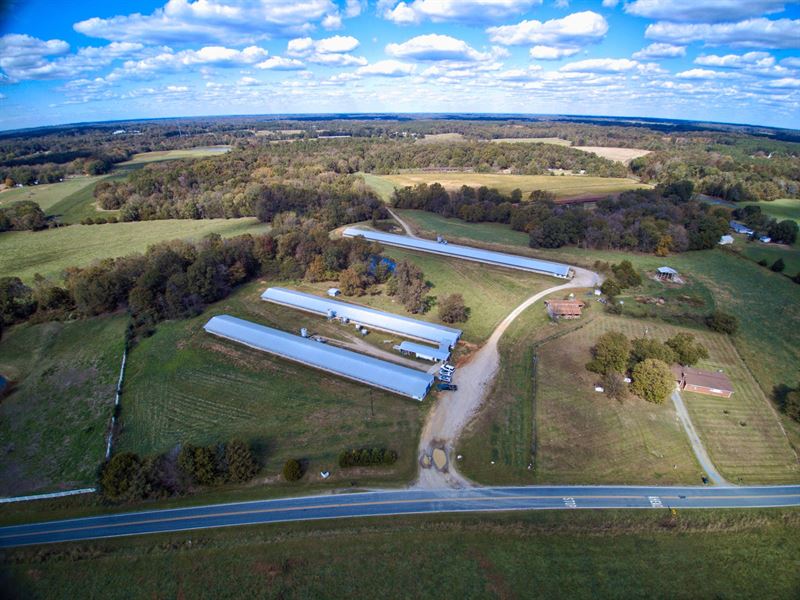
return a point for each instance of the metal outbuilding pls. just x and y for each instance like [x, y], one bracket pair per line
[489, 257]
[361, 315]
[350, 365]
[424, 352]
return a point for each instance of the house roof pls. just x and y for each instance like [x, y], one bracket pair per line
[709, 379]
[351, 365]
[565, 306]
[464, 252]
[377, 319]
[667, 271]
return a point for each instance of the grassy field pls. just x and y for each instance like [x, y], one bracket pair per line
[490, 293]
[623, 155]
[563, 186]
[441, 138]
[49, 194]
[53, 424]
[783, 208]
[184, 385]
[49, 252]
[429, 224]
[72, 200]
[757, 251]
[533, 140]
[580, 436]
[585, 554]
[764, 302]
[583, 436]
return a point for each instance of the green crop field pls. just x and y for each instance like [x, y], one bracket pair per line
[54, 422]
[49, 252]
[547, 554]
[184, 385]
[563, 186]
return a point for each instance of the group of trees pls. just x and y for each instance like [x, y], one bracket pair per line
[661, 220]
[646, 359]
[367, 457]
[452, 309]
[409, 286]
[788, 400]
[127, 477]
[782, 232]
[24, 215]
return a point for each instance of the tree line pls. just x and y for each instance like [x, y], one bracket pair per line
[661, 220]
[128, 477]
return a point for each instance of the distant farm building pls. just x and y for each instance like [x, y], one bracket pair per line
[740, 228]
[333, 292]
[725, 240]
[765, 239]
[564, 309]
[702, 382]
[667, 274]
[364, 316]
[344, 363]
[500, 259]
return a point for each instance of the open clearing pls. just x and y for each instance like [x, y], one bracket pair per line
[584, 436]
[72, 200]
[184, 385]
[53, 424]
[439, 138]
[49, 252]
[563, 186]
[783, 208]
[623, 155]
[533, 140]
[489, 292]
[580, 436]
[592, 554]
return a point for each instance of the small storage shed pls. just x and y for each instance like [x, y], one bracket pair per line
[333, 292]
[666, 273]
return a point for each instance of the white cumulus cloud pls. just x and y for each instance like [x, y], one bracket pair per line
[552, 53]
[705, 11]
[456, 11]
[280, 63]
[435, 47]
[601, 65]
[752, 33]
[387, 68]
[660, 50]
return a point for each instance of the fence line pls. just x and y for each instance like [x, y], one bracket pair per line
[110, 439]
[46, 496]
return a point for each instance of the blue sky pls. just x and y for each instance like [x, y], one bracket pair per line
[721, 60]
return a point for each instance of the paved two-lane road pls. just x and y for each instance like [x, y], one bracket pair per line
[400, 502]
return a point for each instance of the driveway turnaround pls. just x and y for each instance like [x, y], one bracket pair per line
[397, 502]
[694, 439]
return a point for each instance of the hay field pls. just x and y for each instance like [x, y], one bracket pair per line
[49, 252]
[563, 186]
[623, 155]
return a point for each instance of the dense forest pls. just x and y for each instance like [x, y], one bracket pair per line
[722, 161]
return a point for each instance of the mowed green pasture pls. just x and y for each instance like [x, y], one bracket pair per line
[579, 435]
[533, 140]
[49, 252]
[184, 385]
[563, 186]
[765, 303]
[54, 422]
[159, 155]
[429, 224]
[489, 292]
[782, 208]
[49, 194]
[546, 554]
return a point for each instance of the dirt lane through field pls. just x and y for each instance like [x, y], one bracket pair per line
[453, 410]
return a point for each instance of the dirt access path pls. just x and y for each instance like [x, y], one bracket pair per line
[453, 410]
